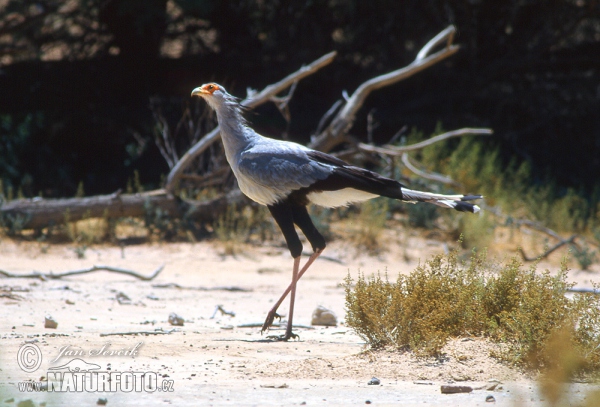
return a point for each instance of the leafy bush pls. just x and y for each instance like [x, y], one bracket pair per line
[478, 167]
[446, 298]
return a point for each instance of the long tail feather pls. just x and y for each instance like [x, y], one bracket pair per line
[456, 202]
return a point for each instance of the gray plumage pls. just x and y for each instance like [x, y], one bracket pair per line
[269, 170]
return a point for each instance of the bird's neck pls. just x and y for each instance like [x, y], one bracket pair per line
[235, 134]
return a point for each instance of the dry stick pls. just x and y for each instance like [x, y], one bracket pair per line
[398, 151]
[402, 151]
[217, 288]
[524, 222]
[583, 290]
[547, 252]
[159, 332]
[535, 226]
[344, 119]
[427, 175]
[223, 312]
[56, 276]
[250, 102]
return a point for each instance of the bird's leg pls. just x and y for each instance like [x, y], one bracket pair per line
[273, 312]
[288, 332]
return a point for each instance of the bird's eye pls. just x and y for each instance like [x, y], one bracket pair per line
[210, 87]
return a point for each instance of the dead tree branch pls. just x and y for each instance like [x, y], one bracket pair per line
[508, 220]
[253, 100]
[159, 331]
[547, 252]
[398, 151]
[39, 213]
[402, 151]
[56, 276]
[344, 119]
[427, 175]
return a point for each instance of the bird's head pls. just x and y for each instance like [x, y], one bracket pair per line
[215, 95]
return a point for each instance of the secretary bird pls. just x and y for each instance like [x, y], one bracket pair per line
[286, 177]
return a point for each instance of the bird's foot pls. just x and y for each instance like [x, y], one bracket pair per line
[269, 321]
[284, 338]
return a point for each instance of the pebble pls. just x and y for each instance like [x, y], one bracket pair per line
[49, 322]
[324, 317]
[374, 381]
[490, 399]
[175, 319]
[451, 389]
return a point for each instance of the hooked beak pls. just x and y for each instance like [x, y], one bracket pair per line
[199, 92]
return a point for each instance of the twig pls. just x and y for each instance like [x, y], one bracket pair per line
[398, 151]
[427, 175]
[274, 325]
[508, 220]
[344, 119]
[583, 290]
[523, 222]
[56, 276]
[217, 288]
[547, 252]
[251, 102]
[223, 312]
[11, 296]
[156, 332]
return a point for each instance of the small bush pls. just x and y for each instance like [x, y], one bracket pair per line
[447, 298]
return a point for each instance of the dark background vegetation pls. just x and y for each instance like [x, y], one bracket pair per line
[77, 77]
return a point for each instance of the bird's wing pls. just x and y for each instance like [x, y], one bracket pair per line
[278, 168]
[348, 176]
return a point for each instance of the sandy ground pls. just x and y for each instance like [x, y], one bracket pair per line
[218, 361]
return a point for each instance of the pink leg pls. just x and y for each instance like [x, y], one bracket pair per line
[273, 312]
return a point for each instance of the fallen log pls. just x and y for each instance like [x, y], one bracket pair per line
[39, 213]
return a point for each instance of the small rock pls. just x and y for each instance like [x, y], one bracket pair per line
[49, 322]
[175, 319]
[102, 402]
[374, 382]
[123, 298]
[490, 399]
[69, 302]
[451, 389]
[323, 316]
[368, 402]
[26, 403]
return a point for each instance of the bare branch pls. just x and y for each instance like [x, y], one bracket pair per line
[251, 102]
[547, 252]
[398, 151]
[523, 222]
[583, 290]
[427, 175]
[345, 117]
[158, 331]
[332, 110]
[446, 35]
[508, 220]
[56, 276]
[232, 288]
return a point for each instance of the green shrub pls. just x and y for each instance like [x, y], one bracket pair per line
[446, 298]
